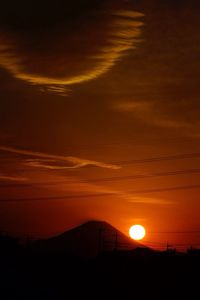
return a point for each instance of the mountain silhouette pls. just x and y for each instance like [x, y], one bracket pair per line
[87, 240]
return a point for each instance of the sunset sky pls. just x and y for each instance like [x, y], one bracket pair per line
[99, 106]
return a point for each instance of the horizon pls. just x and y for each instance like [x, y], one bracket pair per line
[162, 246]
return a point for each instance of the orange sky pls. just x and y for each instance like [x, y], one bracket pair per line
[90, 94]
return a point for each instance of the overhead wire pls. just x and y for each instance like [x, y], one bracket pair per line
[94, 195]
[107, 179]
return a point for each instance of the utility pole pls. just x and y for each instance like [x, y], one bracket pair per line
[100, 239]
[27, 241]
[116, 240]
[167, 249]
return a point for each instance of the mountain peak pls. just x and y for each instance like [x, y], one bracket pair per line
[96, 223]
[87, 240]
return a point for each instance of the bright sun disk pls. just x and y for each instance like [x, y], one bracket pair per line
[137, 232]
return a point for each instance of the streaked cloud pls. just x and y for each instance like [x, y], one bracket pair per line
[36, 170]
[73, 162]
[88, 188]
[81, 47]
[76, 187]
[148, 200]
[12, 178]
[152, 112]
[132, 106]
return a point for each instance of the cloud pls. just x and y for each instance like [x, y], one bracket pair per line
[147, 200]
[73, 162]
[87, 189]
[151, 112]
[12, 178]
[132, 106]
[36, 169]
[81, 45]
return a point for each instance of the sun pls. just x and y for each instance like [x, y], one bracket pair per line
[137, 232]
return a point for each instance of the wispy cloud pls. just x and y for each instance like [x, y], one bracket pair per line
[76, 188]
[62, 60]
[132, 106]
[73, 162]
[151, 112]
[36, 168]
[13, 178]
[147, 200]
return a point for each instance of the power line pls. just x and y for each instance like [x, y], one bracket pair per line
[169, 189]
[152, 159]
[159, 158]
[65, 197]
[107, 179]
[176, 232]
[131, 142]
[151, 175]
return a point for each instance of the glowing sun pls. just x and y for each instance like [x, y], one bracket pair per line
[137, 232]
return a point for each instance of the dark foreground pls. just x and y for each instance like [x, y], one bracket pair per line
[137, 274]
